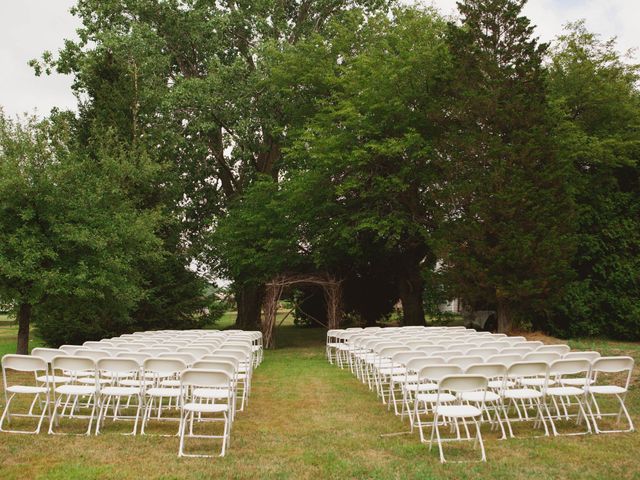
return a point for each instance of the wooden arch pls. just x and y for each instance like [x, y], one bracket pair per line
[331, 287]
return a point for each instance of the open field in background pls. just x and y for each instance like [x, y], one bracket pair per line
[310, 420]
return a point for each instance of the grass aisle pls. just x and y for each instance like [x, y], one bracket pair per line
[310, 420]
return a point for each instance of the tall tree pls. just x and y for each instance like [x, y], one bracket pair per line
[191, 79]
[508, 241]
[595, 90]
[71, 234]
[366, 177]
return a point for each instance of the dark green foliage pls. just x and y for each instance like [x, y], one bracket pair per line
[72, 236]
[596, 94]
[364, 161]
[508, 240]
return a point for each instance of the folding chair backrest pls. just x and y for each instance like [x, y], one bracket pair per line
[388, 352]
[96, 345]
[137, 356]
[547, 357]
[220, 357]
[73, 363]
[527, 369]
[46, 353]
[591, 356]
[24, 363]
[155, 350]
[436, 372]
[187, 358]
[95, 354]
[447, 354]
[504, 359]
[118, 365]
[112, 351]
[197, 352]
[516, 351]
[569, 367]
[489, 370]
[221, 365]
[205, 378]
[70, 349]
[612, 364]
[460, 347]
[561, 349]
[464, 361]
[459, 383]
[134, 346]
[431, 349]
[164, 366]
[416, 364]
[483, 352]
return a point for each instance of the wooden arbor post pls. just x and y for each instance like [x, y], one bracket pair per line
[332, 290]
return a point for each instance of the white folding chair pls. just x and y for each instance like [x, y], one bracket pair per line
[158, 370]
[76, 369]
[558, 370]
[425, 398]
[601, 369]
[41, 388]
[523, 398]
[496, 373]
[456, 385]
[116, 370]
[204, 409]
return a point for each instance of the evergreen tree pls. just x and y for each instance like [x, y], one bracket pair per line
[508, 239]
[596, 95]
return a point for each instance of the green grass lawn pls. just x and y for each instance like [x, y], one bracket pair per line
[310, 420]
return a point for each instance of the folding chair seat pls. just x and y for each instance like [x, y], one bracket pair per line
[73, 391]
[194, 409]
[40, 369]
[523, 398]
[560, 394]
[117, 370]
[609, 369]
[456, 385]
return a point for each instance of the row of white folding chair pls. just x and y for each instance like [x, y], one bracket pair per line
[521, 382]
[391, 364]
[197, 391]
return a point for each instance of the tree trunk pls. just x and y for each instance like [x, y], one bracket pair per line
[410, 287]
[249, 299]
[24, 319]
[505, 321]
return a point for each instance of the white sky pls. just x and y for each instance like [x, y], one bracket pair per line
[28, 27]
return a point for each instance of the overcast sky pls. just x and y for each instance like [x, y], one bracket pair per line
[28, 27]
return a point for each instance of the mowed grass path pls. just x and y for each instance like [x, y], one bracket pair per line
[310, 420]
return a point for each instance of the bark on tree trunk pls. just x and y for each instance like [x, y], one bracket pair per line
[505, 322]
[249, 299]
[24, 319]
[410, 287]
